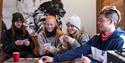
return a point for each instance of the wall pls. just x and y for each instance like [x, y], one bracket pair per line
[86, 9]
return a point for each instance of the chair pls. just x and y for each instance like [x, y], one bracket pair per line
[36, 49]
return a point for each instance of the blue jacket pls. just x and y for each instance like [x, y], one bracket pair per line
[96, 47]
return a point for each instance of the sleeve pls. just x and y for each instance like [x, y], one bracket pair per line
[40, 42]
[74, 53]
[117, 44]
[9, 44]
[31, 46]
[84, 38]
[75, 44]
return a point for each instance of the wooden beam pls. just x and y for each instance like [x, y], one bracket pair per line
[1, 6]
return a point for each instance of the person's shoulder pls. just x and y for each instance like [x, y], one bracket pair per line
[119, 32]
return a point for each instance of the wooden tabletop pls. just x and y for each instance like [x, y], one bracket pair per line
[23, 60]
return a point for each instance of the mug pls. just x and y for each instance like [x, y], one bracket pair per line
[16, 56]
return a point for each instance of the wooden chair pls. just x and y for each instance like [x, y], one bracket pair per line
[36, 49]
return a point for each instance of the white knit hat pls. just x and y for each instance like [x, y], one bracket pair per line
[75, 20]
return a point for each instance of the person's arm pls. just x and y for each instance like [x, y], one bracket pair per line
[73, 42]
[74, 53]
[40, 42]
[70, 55]
[8, 44]
[117, 44]
[84, 38]
[31, 43]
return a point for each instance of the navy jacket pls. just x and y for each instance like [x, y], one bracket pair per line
[96, 47]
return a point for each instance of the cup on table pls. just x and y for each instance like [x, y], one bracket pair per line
[16, 56]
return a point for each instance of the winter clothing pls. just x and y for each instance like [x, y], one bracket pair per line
[77, 42]
[48, 37]
[17, 16]
[75, 20]
[14, 34]
[96, 47]
[4, 29]
[9, 45]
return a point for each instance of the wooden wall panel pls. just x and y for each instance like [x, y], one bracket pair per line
[1, 5]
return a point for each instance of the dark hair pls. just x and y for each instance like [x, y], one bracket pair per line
[17, 16]
[57, 1]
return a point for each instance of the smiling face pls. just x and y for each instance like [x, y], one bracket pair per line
[71, 29]
[18, 24]
[50, 23]
[103, 23]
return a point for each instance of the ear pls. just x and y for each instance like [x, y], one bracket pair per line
[110, 21]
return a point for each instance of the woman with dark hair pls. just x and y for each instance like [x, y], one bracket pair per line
[17, 38]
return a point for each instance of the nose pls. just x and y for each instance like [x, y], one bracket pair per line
[98, 22]
[49, 26]
[69, 27]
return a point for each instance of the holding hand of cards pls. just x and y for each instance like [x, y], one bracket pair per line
[61, 39]
[22, 42]
[48, 47]
[19, 42]
[26, 42]
[65, 38]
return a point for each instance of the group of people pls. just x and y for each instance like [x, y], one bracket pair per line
[57, 46]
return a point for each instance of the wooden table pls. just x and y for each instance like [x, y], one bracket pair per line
[34, 60]
[23, 60]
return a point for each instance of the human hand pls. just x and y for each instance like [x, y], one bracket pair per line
[85, 59]
[50, 49]
[61, 39]
[69, 39]
[47, 47]
[19, 42]
[46, 59]
[26, 42]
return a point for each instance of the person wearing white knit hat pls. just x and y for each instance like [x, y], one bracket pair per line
[111, 37]
[75, 20]
[74, 37]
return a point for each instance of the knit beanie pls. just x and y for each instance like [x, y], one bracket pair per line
[75, 20]
[17, 16]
